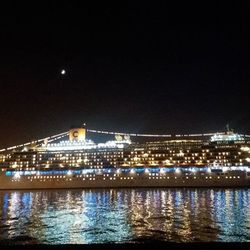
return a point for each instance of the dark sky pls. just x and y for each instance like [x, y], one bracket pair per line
[146, 68]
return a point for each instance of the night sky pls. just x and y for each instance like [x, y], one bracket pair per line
[139, 68]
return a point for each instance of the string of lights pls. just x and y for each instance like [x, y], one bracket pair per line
[49, 139]
[151, 135]
[61, 135]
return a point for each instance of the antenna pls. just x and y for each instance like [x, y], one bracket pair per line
[228, 128]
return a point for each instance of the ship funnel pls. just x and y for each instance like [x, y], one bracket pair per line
[77, 133]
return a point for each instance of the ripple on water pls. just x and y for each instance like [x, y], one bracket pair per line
[125, 215]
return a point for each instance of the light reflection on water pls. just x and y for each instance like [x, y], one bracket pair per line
[125, 215]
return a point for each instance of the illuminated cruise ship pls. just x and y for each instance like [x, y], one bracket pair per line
[207, 160]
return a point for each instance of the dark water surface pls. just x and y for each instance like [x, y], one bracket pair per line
[124, 215]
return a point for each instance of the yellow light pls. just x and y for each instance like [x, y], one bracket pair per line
[77, 134]
[245, 148]
[167, 162]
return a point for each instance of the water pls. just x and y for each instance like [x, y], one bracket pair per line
[124, 215]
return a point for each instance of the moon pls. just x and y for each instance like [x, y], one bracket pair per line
[63, 72]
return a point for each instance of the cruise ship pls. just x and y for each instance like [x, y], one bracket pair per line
[218, 160]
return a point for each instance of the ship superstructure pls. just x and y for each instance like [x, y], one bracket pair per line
[221, 160]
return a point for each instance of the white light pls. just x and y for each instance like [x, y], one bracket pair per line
[17, 175]
[177, 170]
[162, 170]
[25, 149]
[63, 72]
[87, 144]
[132, 171]
[226, 137]
[224, 169]
[118, 171]
[146, 170]
[69, 172]
[181, 153]
[248, 159]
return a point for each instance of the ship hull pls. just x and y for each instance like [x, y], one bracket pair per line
[230, 179]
